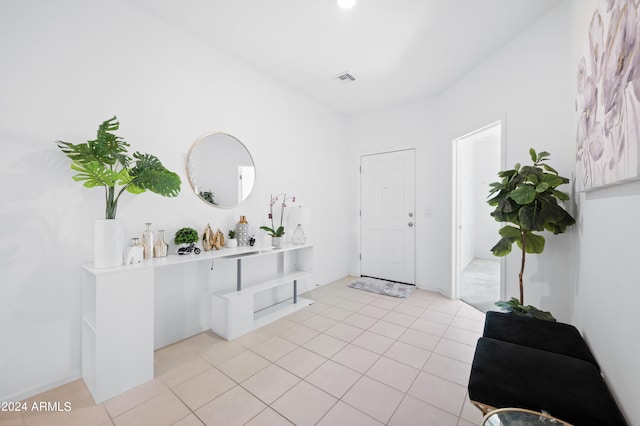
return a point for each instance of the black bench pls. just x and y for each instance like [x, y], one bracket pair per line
[539, 365]
[549, 336]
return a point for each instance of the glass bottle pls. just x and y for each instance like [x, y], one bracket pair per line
[298, 236]
[242, 232]
[147, 242]
[161, 248]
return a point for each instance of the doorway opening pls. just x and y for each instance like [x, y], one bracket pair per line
[477, 273]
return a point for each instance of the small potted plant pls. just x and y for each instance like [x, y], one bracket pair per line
[105, 163]
[186, 238]
[208, 197]
[277, 234]
[232, 241]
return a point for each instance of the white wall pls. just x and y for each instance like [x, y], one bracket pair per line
[487, 166]
[466, 165]
[478, 164]
[605, 262]
[67, 66]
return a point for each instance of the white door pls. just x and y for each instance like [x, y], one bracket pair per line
[387, 216]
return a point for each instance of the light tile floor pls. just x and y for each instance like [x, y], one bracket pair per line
[351, 358]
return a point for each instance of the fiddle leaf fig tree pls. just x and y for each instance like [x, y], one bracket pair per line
[105, 162]
[528, 200]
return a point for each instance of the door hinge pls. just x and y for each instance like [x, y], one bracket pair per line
[360, 256]
[360, 213]
[360, 169]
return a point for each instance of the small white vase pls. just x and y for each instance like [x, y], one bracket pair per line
[108, 246]
[232, 242]
[278, 242]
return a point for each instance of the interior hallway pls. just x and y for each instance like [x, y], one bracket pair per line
[480, 284]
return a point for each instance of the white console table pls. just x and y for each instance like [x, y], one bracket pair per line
[235, 313]
[118, 311]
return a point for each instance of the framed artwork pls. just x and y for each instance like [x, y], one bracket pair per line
[608, 97]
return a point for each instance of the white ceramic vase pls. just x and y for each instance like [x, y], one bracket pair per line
[278, 242]
[108, 246]
[232, 242]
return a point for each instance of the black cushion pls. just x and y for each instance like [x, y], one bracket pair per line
[508, 375]
[550, 336]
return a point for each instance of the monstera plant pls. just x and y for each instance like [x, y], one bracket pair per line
[529, 201]
[105, 162]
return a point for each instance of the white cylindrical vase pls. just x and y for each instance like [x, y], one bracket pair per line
[277, 242]
[108, 246]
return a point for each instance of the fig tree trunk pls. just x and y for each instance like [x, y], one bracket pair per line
[524, 252]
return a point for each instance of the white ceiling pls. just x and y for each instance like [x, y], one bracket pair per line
[398, 50]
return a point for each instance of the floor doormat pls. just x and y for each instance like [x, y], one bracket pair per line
[379, 286]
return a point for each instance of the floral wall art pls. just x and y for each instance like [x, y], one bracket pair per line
[608, 97]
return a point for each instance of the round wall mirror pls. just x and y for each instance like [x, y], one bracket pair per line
[220, 170]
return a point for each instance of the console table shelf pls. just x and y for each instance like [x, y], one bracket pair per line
[252, 288]
[118, 310]
[275, 312]
[235, 314]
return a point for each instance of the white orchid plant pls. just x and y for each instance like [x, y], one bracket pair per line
[279, 231]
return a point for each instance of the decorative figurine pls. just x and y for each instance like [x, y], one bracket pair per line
[134, 253]
[188, 249]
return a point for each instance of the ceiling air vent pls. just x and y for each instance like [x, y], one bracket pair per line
[344, 77]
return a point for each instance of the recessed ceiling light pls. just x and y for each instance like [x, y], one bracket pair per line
[345, 4]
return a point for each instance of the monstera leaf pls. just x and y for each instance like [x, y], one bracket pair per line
[104, 162]
[149, 174]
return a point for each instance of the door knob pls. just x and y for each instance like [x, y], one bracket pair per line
[410, 224]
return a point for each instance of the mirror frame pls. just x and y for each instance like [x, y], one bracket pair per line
[195, 144]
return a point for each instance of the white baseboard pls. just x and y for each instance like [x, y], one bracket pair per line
[181, 336]
[28, 393]
[433, 289]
